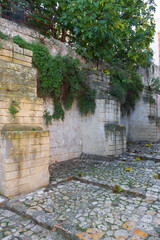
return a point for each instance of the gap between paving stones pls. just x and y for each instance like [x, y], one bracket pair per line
[82, 180]
[55, 228]
[71, 187]
[139, 182]
[111, 159]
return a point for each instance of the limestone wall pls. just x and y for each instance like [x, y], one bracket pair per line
[92, 134]
[95, 134]
[65, 136]
[23, 161]
[24, 146]
[70, 138]
[143, 124]
[13, 53]
[100, 135]
[30, 35]
[30, 113]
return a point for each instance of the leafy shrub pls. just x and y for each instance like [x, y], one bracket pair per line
[61, 79]
[126, 87]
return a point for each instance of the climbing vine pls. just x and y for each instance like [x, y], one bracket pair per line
[152, 84]
[126, 86]
[61, 79]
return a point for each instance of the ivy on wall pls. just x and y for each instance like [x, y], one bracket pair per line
[126, 87]
[61, 79]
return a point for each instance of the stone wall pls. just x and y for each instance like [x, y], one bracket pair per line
[65, 136]
[70, 138]
[13, 29]
[24, 146]
[143, 124]
[13, 53]
[98, 134]
[30, 112]
[24, 161]
[101, 133]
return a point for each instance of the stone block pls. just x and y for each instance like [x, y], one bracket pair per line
[7, 45]
[28, 52]
[17, 49]
[24, 161]
[7, 53]
[9, 59]
[22, 57]
[22, 62]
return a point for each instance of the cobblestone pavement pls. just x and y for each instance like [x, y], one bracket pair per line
[15, 227]
[79, 203]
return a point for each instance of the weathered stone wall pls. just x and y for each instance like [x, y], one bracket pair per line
[143, 124]
[92, 134]
[13, 29]
[98, 134]
[24, 159]
[65, 136]
[13, 53]
[68, 139]
[24, 146]
[30, 112]
[101, 133]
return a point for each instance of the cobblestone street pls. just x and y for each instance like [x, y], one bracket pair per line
[79, 203]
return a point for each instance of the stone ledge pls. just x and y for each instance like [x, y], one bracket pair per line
[11, 52]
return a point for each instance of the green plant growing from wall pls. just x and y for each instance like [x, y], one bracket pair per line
[153, 86]
[47, 117]
[60, 78]
[126, 86]
[4, 36]
[1, 46]
[14, 108]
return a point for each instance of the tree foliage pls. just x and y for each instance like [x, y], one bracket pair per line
[126, 87]
[116, 31]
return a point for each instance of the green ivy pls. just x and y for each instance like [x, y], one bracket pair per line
[153, 85]
[61, 79]
[126, 87]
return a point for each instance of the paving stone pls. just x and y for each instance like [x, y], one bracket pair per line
[90, 234]
[129, 225]
[140, 233]
[12, 221]
[86, 206]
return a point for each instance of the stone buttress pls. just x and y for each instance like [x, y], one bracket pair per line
[102, 133]
[24, 146]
